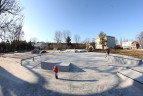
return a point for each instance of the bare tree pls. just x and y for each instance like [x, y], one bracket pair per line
[103, 41]
[140, 39]
[125, 40]
[121, 41]
[66, 33]
[93, 40]
[19, 33]
[58, 36]
[11, 23]
[116, 41]
[9, 18]
[87, 40]
[15, 31]
[11, 31]
[4, 23]
[9, 6]
[76, 38]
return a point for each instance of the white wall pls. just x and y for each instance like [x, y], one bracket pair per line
[126, 45]
[97, 45]
[110, 42]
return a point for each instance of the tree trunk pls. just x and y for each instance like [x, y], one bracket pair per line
[103, 47]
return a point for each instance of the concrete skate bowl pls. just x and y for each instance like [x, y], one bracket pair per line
[22, 89]
[12, 88]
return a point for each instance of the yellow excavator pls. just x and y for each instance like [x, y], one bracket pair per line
[89, 47]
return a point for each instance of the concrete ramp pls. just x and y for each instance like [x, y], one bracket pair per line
[124, 60]
[48, 65]
[63, 67]
[138, 69]
[133, 76]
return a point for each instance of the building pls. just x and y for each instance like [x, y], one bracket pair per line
[110, 42]
[51, 46]
[130, 45]
[135, 45]
[126, 45]
[41, 45]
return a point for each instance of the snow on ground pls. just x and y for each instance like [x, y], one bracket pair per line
[89, 75]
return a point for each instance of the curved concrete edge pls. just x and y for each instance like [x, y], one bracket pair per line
[133, 81]
[124, 60]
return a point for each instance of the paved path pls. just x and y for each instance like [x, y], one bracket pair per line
[89, 76]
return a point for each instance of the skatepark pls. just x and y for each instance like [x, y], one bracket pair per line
[80, 74]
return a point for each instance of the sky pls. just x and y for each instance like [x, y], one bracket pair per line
[86, 18]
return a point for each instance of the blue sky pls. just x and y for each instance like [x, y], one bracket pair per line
[87, 18]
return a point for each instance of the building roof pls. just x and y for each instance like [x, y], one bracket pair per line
[110, 36]
[107, 36]
[135, 42]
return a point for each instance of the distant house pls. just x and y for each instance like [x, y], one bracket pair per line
[135, 45]
[130, 45]
[110, 42]
[41, 45]
[118, 47]
[51, 46]
[126, 45]
[32, 43]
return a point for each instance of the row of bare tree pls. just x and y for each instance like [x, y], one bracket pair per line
[59, 36]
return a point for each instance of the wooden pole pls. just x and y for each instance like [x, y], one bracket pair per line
[21, 62]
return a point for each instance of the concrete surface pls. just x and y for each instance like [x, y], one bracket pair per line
[139, 69]
[132, 76]
[89, 75]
